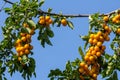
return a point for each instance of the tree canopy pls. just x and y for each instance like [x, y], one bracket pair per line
[16, 49]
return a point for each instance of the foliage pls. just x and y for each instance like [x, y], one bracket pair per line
[15, 48]
[70, 72]
[107, 64]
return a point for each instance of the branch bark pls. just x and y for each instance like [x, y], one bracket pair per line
[68, 15]
[9, 2]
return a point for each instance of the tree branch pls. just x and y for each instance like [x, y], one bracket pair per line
[65, 15]
[2, 7]
[9, 2]
[68, 15]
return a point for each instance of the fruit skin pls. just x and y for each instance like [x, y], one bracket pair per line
[90, 41]
[21, 53]
[107, 38]
[23, 39]
[28, 36]
[50, 21]
[30, 47]
[82, 64]
[118, 31]
[32, 32]
[26, 46]
[103, 47]
[99, 33]
[86, 58]
[106, 28]
[64, 22]
[114, 20]
[91, 36]
[18, 49]
[90, 63]
[105, 18]
[96, 48]
[42, 21]
[81, 78]
[93, 52]
[25, 25]
[98, 54]
[18, 41]
[27, 51]
[99, 44]
[91, 58]
[47, 18]
[19, 58]
[81, 70]
[22, 34]
[42, 17]
[95, 41]
[94, 76]
[85, 67]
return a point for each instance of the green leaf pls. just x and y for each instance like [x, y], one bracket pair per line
[1, 62]
[85, 45]
[24, 30]
[56, 72]
[115, 77]
[70, 24]
[52, 78]
[68, 66]
[49, 10]
[42, 42]
[107, 56]
[56, 20]
[7, 9]
[41, 3]
[58, 24]
[34, 74]
[49, 32]
[110, 78]
[109, 70]
[81, 52]
[5, 78]
[118, 67]
[85, 38]
[48, 42]
[2, 70]
[32, 23]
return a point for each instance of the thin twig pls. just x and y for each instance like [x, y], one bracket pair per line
[2, 7]
[75, 15]
[9, 2]
[66, 15]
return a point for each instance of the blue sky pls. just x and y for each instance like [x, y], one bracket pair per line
[66, 41]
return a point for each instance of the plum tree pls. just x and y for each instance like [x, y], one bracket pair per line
[20, 26]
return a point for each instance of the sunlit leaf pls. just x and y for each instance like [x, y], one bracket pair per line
[7, 10]
[107, 56]
[49, 10]
[41, 3]
[115, 77]
[81, 52]
[70, 24]
[85, 38]
[50, 33]
[32, 23]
